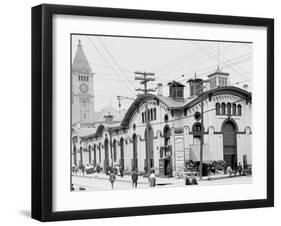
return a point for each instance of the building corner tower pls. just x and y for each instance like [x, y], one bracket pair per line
[82, 90]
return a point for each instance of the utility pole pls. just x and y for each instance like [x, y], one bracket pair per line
[144, 78]
[202, 127]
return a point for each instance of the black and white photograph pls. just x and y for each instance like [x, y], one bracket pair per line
[150, 113]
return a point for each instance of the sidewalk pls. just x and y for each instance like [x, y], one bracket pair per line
[144, 180]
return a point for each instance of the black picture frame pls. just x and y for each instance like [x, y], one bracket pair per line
[42, 108]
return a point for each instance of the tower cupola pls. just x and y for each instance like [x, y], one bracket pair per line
[218, 79]
[195, 85]
[176, 90]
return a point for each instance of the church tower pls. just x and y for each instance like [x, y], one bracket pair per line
[82, 89]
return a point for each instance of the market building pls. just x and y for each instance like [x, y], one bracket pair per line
[174, 129]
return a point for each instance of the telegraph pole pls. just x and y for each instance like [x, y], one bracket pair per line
[144, 78]
[202, 127]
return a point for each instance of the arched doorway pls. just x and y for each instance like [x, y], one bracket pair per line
[114, 150]
[229, 143]
[90, 154]
[106, 156]
[149, 146]
[165, 154]
[121, 161]
[99, 147]
[95, 156]
[75, 155]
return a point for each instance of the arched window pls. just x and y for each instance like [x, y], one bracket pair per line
[148, 115]
[218, 109]
[166, 118]
[223, 108]
[234, 109]
[196, 128]
[142, 117]
[228, 108]
[154, 111]
[151, 114]
[239, 109]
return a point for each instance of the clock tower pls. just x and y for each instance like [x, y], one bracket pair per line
[82, 89]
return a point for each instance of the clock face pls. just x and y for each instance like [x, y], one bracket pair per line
[84, 88]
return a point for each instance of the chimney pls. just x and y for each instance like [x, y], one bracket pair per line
[246, 87]
[159, 89]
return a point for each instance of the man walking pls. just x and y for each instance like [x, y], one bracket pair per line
[112, 178]
[135, 178]
[239, 168]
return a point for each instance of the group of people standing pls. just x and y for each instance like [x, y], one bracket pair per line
[230, 171]
[191, 180]
[134, 177]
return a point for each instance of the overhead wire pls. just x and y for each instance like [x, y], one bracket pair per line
[110, 65]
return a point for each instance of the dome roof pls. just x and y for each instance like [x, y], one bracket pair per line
[80, 63]
[109, 110]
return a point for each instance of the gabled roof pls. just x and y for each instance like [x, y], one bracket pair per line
[80, 62]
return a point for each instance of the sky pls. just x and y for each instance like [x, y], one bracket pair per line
[115, 59]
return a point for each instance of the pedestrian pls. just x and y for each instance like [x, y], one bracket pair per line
[135, 178]
[209, 170]
[224, 168]
[187, 180]
[229, 171]
[239, 168]
[121, 171]
[193, 180]
[83, 169]
[152, 179]
[112, 178]
[169, 171]
[98, 168]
